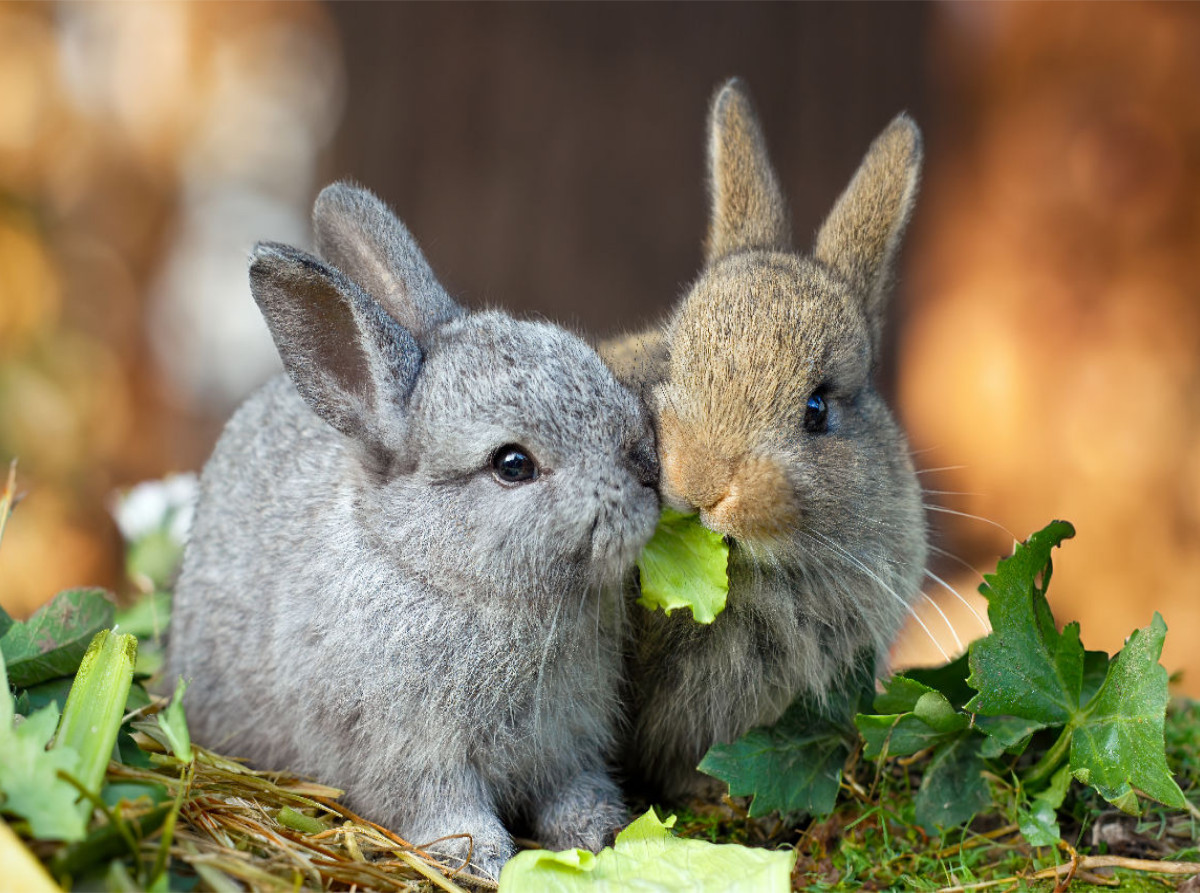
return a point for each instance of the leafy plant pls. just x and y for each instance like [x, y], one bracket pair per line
[1028, 704]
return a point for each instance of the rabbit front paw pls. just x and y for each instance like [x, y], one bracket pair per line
[586, 813]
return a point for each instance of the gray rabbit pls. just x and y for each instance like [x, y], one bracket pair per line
[770, 426]
[405, 573]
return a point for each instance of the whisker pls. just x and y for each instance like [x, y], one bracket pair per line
[948, 493]
[946, 511]
[984, 625]
[844, 553]
[942, 468]
[947, 554]
[950, 626]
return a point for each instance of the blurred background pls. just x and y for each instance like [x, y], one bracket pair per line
[1045, 352]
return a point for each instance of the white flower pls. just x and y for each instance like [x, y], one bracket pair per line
[157, 505]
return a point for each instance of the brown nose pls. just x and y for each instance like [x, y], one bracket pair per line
[747, 499]
[692, 478]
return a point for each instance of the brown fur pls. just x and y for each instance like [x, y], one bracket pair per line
[826, 528]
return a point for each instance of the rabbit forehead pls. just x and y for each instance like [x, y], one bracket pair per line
[489, 379]
[761, 331]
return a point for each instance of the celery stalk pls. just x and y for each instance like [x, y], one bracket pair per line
[92, 717]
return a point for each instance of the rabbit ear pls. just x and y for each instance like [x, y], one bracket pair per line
[861, 236]
[349, 359]
[748, 210]
[359, 234]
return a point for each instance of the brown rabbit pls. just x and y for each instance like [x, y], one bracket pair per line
[771, 428]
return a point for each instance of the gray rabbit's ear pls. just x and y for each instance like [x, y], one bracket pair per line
[747, 206]
[349, 359]
[357, 233]
[861, 236]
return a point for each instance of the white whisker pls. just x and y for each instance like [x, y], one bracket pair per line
[947, 554]
[950, 626]
[841, 551]
[984, 625]
[944, 510]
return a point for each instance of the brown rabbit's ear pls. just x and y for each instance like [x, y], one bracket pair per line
[860, 238]
[748, 210]
[357, 233]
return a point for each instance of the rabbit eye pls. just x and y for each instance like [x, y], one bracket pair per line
[816, 414]
[512, 465]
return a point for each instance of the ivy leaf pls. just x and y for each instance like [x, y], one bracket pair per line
[796, 765]
[685, 565]
[953, 788]
[1006, 734]
[1038, 820]
[1025, 667]
[931, 721]
[1026, 670]
[53, 641]
[1120, 747]
[900, 695]
[950, 679]
[648, 858]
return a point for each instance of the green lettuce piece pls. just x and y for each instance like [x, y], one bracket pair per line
[648, 858]
[685, 565]
[53, 641]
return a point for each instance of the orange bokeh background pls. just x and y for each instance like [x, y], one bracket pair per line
[1046, 346]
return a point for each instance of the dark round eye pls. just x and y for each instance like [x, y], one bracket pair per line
[512, 465]
[816, 414]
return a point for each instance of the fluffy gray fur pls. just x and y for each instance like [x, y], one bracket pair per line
[826, 526]
[362, 600]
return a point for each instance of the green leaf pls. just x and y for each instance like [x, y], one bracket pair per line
[1006, 734]
[1120, 748]
[931, 721]
[154, 558]
[1038, 820]
[950, 679]
[29, 779]
[1026, 670]
[646, 857]
[796, 765]
[1025, 667]
[953, 788]
[685, 565]
[900, 695]
[53, 641]
[174, 725]
[5, 622]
